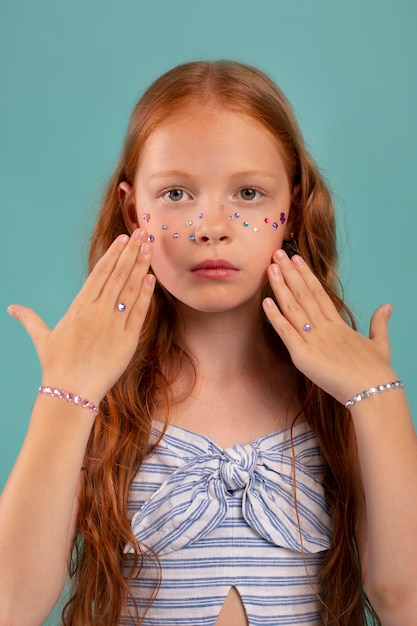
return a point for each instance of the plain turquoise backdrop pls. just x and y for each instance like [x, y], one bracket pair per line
[70, 74]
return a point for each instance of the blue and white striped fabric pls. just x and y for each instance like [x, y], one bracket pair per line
[221, 518]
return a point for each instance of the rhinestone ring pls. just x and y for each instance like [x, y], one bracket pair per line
[307, 328]
[121, 306]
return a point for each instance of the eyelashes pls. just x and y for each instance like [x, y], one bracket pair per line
[249, 194]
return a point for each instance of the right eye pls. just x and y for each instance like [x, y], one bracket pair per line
[175, 195]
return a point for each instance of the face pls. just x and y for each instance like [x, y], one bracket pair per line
[212, 191]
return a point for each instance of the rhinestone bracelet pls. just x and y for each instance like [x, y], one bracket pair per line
[70, 397]
[372, 391]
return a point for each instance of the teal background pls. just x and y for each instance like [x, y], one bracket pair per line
[70, 74]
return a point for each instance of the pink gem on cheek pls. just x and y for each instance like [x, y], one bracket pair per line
[146, 217]
[266, 220]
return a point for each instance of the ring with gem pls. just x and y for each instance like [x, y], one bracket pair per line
[121, 306]
[307, 328]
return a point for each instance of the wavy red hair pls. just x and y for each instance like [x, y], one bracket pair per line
[120, 437]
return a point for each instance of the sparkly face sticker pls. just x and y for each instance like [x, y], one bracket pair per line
[236, 216]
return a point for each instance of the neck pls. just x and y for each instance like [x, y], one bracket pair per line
[226, 344]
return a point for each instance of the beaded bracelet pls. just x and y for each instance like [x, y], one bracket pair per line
[372, 391]
[70, 397]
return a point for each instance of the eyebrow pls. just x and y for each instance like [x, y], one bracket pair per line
[171, 173]
[244, 174]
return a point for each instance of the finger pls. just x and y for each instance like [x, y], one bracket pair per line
[140, 308]
[31, 322]
[294, 296]
[289, 335]
[294, 311]
[134, 284]
[101, 271]
[378, 329]
[316, 288]
[121, 285]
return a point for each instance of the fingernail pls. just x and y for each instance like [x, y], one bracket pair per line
[279, 255]
[268, 303]
[139, 234]
[122, 240]
[275, 271]
[145, 249]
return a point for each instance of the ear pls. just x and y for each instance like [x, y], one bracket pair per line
[128, 205]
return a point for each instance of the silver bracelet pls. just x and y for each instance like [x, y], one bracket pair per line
[373, 391]
[70, 397]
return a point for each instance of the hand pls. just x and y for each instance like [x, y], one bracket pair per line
[334, 356]
[92, 345]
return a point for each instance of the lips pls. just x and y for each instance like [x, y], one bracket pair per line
[214, 269]
[214, 264]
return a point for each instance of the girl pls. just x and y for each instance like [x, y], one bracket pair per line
[219, 464]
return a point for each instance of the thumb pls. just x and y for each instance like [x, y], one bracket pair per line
[378, 330]
[31, 322]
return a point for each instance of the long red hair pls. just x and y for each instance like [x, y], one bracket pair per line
[120, 437]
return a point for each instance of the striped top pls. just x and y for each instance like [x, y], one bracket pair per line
[221, 518]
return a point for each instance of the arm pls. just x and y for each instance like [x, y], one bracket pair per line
[86, 353]
[343, 363]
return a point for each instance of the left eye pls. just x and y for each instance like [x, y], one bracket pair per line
[248, 193]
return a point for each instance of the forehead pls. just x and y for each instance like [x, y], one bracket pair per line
[210, 130]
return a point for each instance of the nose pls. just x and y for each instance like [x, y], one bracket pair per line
[214, 226]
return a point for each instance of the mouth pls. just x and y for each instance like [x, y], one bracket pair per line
[214, 268]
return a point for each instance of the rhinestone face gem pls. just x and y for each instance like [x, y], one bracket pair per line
[266, 220]
[121, 306]
[200, 215]
[146, 217]
[245, 224]
[175, 235]
[275, 226]
[164, 227]
[189, 223]
[192, 237]
[237, 215]
[151, 238]
[256, 229]
[282, 218]
[307, 328]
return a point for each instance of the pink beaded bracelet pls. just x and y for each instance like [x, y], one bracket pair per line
[70, 397]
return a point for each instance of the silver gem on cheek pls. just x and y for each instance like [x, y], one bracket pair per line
[146, 217]
[256, 229]
[164, 227]
[189, 223]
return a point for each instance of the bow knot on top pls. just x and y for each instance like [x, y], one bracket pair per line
[192, 493]
[238, 466]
